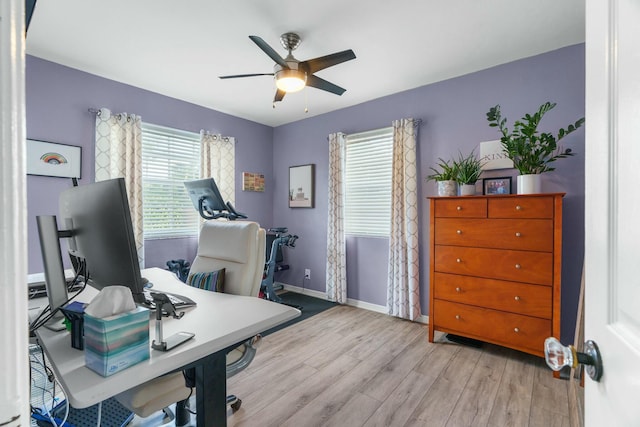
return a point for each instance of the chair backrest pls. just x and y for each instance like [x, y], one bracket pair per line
[237, 246]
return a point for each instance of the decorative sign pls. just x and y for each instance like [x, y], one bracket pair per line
[252, 181]
[493, 157]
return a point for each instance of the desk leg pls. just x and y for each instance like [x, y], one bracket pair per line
[211, 390]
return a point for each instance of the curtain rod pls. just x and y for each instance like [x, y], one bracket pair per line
[416, 123]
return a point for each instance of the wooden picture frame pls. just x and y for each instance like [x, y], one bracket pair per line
[496, 186]
[53, 159]
[302, 186]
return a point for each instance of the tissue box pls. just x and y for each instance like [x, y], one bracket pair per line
[116, 342]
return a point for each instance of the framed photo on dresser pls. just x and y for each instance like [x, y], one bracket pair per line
[496, 186]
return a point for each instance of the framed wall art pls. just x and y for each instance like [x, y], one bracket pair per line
[252, 181]
[301, 186]
[52, 159]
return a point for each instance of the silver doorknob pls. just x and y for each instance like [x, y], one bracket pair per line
[558, 356]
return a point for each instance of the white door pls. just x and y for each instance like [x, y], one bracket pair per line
[612, 203]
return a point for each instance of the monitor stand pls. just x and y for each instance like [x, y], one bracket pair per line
[56, 323]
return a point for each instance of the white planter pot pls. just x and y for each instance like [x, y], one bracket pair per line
[529, 184]
[447, 188]
[468, 190]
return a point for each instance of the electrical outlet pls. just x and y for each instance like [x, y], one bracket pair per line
[307, 273]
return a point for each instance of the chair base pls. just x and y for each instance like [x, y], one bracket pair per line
[234, 402]
[183, 414]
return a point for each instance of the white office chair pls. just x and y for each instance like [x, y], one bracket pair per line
[239, 248]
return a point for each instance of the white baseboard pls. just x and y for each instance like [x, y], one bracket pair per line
[352, 302]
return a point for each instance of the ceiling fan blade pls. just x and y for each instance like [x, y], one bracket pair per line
[279, 95]
[269, 51]
[318, 83]
[323, 62]
[245, 75]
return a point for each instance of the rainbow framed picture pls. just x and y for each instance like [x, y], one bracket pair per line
[52, 159]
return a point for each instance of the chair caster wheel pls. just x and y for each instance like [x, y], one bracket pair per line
[236, 405]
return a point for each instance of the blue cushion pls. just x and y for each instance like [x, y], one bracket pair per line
[211, 281]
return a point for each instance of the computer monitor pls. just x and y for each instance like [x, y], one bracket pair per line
[208, 201]
[29, 7]
[54, 278]
[98, 218]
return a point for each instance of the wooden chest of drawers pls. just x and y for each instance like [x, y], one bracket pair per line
[495, 268]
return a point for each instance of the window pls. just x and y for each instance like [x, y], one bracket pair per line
[169, 157]
[368, 182]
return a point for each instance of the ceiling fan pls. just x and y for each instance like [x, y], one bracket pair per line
[292, 75]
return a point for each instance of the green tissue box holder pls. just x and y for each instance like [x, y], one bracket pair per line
[117, 342]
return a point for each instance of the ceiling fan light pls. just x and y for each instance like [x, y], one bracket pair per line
[291, 80]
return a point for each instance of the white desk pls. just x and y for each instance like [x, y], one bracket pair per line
[220, 321]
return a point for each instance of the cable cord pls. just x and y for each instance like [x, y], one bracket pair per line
[99, 414]
[48, 377]
[39, 321]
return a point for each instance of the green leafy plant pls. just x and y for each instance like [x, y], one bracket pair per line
[447, 171]
[531, 151]
[469, 168]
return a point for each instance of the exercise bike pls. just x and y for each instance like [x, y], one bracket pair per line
[282, 238]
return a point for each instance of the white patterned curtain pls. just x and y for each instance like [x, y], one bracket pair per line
[403, 285]
[336, 276]
[119, 154]
[218, 161]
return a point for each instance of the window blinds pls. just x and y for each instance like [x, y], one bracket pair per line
[169, 157]
[368, 182]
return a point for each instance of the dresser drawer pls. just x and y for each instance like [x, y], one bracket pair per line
[517, 266]
[521, 207]
[532, 235]
[519, 298]
[514, 330]
[460, 208]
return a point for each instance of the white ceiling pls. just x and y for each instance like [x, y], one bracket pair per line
[179, 47]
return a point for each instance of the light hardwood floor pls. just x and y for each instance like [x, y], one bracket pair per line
[352, 367]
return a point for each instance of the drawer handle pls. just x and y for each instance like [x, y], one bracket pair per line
[518, 234]
[457, 317]
[518, 208]
[458, 260]
[517, 298]
[518, 266]
[516, 330]
[458, 289]
[459, 231]
[459, 208]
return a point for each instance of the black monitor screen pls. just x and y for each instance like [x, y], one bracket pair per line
[207, 191]
[29, 6]
[99, 219]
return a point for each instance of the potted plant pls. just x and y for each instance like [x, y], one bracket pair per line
[469, 170]
[446, 177]
[531, 151]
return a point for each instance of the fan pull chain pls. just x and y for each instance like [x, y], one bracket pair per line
[306, 100]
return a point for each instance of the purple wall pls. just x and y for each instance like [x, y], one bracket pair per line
[453, 114]
[58, 99]
[454, 118]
